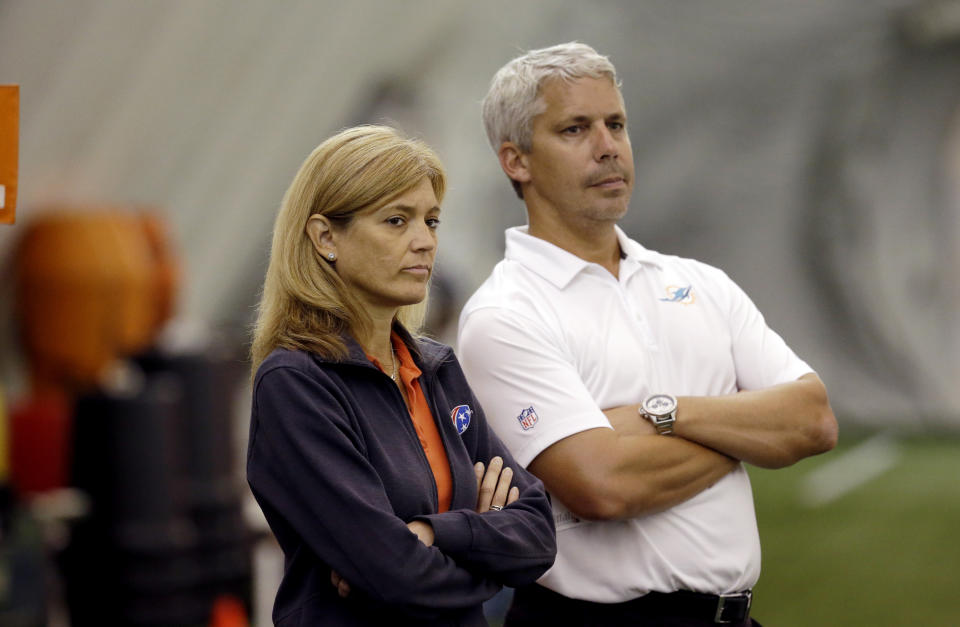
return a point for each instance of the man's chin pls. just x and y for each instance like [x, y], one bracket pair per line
[611, 212]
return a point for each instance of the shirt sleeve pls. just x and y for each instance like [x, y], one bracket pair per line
[761, 357]
[306, 463]
[531, 391]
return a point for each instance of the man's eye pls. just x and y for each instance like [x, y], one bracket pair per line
[433, 222]
[573, 130]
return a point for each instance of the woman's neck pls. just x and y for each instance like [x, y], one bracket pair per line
[377, 342]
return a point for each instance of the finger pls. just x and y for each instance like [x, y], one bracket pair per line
[514, 495]
[343, 589]
[335, 578]
[478, 471]
[489, 484]
[503, 487]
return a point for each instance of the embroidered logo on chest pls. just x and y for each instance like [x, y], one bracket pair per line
[528, 418]
[461, 417]
[680, 294]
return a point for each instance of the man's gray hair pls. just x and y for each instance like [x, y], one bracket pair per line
[513, 99]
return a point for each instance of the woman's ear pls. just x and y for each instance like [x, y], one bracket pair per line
[319, 232]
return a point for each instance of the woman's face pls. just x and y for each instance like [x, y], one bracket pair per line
[386, 255]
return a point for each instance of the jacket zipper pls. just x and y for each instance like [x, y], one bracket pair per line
[412, 430]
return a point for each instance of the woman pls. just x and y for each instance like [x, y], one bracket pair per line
[367, 448]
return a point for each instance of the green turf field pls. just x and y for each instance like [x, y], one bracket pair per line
[886, 552]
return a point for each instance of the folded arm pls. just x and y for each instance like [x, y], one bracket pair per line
[595, 471]
[769, 428]
[603, 474]
[515, 545]
[632, 471]
[307, 471]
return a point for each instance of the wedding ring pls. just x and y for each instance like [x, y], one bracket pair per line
[496, 508]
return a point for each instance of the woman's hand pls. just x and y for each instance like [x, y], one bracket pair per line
[494, 493]
[493, 486]
[343, 588]
[421, 529]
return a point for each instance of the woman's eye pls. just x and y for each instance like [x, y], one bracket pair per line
[395, 221]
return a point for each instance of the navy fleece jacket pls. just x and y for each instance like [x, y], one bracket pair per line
[336, 465]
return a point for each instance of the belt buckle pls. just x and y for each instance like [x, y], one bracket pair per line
[722, 605]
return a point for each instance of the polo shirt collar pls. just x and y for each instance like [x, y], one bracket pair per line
[558, 266]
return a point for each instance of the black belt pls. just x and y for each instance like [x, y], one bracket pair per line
[732, 609]
[721, 609]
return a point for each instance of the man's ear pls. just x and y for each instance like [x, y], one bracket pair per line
[514, 162]
[319, 231]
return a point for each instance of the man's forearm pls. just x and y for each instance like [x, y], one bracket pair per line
[674, 470]
[770, 428]
[629, 471]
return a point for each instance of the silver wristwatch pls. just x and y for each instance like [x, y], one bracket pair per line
[661, 410]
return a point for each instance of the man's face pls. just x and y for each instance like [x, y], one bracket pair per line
[580, 165]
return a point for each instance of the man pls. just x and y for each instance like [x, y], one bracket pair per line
[655, 518]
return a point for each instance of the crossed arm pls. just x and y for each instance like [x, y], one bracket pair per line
[631, 471]
[494, 492]
[328, 504]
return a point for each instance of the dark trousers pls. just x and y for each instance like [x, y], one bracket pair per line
[534, 606]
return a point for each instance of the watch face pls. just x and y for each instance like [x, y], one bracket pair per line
[659, 404]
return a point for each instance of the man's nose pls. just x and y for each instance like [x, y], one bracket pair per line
[605, 144]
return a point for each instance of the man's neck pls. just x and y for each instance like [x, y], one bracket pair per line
[594, 242]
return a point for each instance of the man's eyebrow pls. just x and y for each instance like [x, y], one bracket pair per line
[573, 119]
[579, 118]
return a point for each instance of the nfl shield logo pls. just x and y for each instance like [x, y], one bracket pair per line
[461, 417]
[528, 418]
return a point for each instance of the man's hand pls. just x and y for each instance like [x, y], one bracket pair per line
[493, 486]
[627, 420]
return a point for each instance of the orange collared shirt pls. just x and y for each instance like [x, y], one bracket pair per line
[423, 422]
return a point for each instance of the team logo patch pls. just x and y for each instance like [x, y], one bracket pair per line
[680, 294]
[528, 418]
[461, 417]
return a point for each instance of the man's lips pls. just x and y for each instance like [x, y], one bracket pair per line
[613, 181]
[607, 180]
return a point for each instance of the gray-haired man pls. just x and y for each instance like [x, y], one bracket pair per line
[580, 329]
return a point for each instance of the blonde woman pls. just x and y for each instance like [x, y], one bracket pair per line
[393, 501]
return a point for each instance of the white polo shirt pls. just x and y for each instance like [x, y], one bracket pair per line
[549, 340]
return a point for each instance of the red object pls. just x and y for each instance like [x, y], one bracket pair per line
[228, 612]
[40, 441]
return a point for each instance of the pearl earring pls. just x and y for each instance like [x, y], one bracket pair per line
[331, 257]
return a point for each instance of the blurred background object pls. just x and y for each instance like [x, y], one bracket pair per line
[811, 149]
[9, 151]
[121, 447]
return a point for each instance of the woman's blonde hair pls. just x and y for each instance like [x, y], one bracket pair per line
[305, 305]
